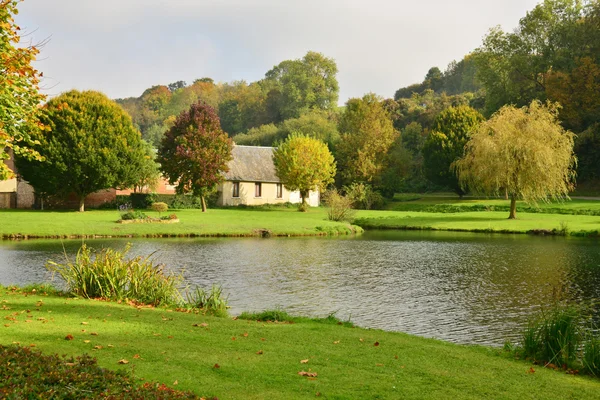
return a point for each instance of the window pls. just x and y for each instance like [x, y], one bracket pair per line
[236, 189]
[279, 191]
[257, 189]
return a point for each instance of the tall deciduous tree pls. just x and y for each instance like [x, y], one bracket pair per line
[195, 151]
[367, 133]
[90, 145]
[524, 152]
[296, 86]
[445, 144]
[304, 163]
[19, 85]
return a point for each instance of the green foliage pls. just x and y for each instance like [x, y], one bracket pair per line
[555, 338]
[91, 145]
[109, 275]
[133, 215]
[195, 151]
[364, 197]
[296, 86]
[367, 133]
[212, 302]
[523, 153]
[142, 200]
[303, 163]
[591, 355]
[19, 91]
[160, 207]
[445, 144]
[587, 148]
[28, 374]
[339, 206]
[264, 135]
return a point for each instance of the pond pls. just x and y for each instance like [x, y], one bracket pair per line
[459, 287]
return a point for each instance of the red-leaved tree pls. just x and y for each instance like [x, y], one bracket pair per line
[195, 151]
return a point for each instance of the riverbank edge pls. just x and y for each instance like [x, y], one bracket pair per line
[537, 232]
[264, 233]
[451, 350]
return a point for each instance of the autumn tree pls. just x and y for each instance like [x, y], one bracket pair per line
[367, 133]
[90, 144]
[195, 151]
[445, 144]
[304, 163]
[19, 90]
[524, 152]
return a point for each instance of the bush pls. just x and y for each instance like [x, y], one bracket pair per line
[133, 214]
[340, 207]
[160, 207]
[212, 302]
[364, 197]
[107, 274]
[28, 374]
[142, 200]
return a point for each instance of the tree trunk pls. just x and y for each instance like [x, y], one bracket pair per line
[513, 207]
[304, 205]
[203, 204]
[82, 204]
[505, 194]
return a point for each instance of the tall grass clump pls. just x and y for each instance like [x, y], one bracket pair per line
[212, 302]
[555, 338]
[591, 355]
[110, 275]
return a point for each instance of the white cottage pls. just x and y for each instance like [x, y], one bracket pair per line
[252, 180]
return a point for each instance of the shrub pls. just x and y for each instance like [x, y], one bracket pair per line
[340, 207]
[133, 214]
[160, 207]
[212, 302]
[28, 374]
[142, 200]
[108, 274]
[364, 197]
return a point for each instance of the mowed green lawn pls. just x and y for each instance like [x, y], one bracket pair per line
[226, 222]
[238, 359]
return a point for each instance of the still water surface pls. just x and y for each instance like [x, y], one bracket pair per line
[465, 288]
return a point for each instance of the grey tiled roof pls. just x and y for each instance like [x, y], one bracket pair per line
[252, 164]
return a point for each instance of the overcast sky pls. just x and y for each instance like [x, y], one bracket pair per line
[122, 47]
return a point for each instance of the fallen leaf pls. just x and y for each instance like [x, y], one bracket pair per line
[32, 345]
[336, 342]
[245, 334]
[175, 383]
[304, 361]
[123, 361]
[396, 357]
[84, 323]
[136, 356]
[262, 339]
[86, 341]
[361, 339]
[69, 364]
[170, 337]
[156, 334]
[309, 374]
[7, 325]
[216, 366]
[98, 347]
[93, 334]
[318, 394]
[531, 370]
[110, 345]
[233, 338]
[379, 365]
[69, 337]
[259, 352]
[376, 344]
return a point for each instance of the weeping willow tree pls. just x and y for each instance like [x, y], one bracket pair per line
[520, 152]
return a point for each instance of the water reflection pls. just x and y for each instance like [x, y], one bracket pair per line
[459, 287]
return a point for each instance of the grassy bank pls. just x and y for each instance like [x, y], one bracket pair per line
[217, 222]
[240, 359]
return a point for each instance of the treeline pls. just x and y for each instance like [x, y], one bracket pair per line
[409, 142]
[289, 90]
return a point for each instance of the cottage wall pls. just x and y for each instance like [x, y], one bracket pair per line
[268, 195]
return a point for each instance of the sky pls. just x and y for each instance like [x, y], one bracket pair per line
[122, 47]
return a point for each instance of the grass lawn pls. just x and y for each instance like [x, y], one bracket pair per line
[238, 359]
[224, 222]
